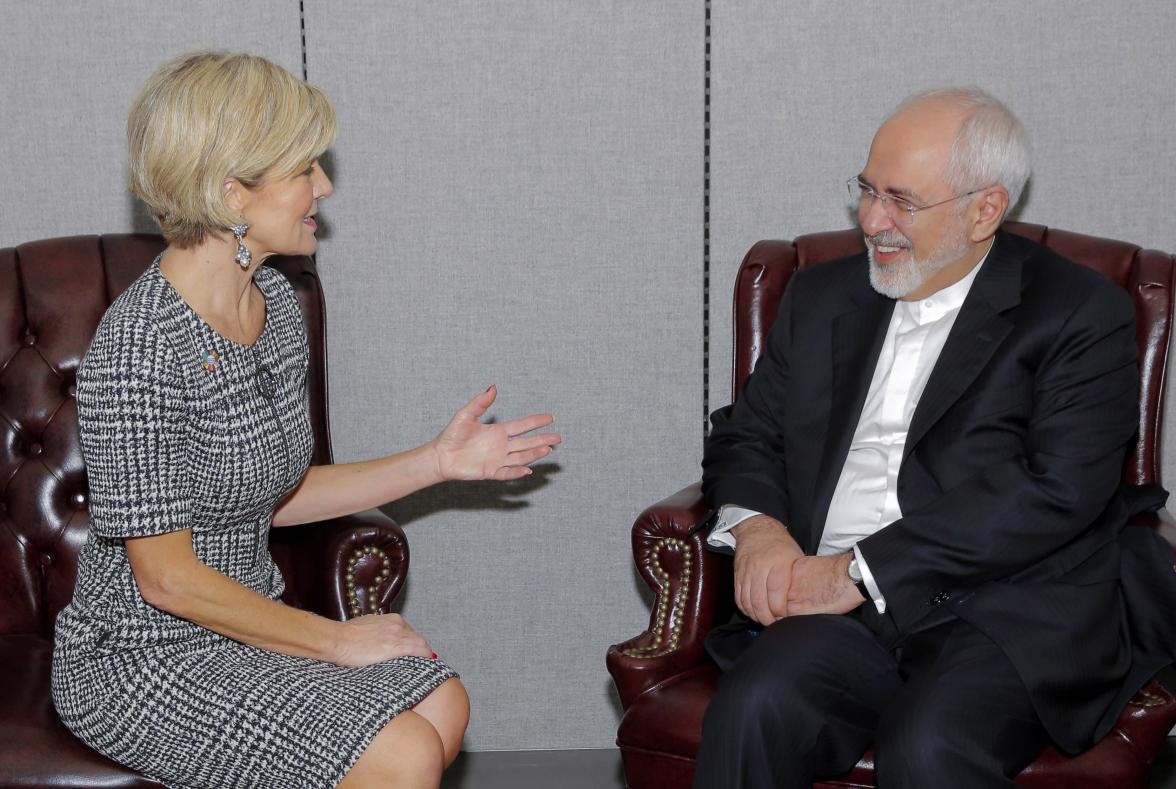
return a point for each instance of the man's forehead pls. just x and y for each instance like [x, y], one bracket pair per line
[911, 151]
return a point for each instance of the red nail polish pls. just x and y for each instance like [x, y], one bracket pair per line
[434, 656]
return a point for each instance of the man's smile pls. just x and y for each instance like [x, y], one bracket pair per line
[886, 247]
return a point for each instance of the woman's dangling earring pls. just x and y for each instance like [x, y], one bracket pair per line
[244, 257]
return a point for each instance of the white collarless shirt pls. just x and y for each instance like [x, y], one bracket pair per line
[866, 497]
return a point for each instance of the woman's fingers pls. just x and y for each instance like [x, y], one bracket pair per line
[508, 473]
[520, 460]
[482, 401]
[407, 640]
[518, 445]
[516, 427]
[416, 647]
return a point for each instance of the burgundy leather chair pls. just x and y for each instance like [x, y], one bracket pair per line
[52, 295]
[663, 675]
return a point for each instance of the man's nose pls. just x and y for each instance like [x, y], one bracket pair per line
[873, 217]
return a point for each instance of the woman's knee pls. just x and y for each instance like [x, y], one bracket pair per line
[407, 754]
[448, 709]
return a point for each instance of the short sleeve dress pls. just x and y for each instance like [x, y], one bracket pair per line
[184, 429]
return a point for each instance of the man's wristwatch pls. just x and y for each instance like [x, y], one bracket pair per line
[855, 574]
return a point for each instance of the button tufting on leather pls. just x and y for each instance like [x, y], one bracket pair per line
[71, 389]
[3, 508]
[35, 449]
[78, 500]
[29, 340]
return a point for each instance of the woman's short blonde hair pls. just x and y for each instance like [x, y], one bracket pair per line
[206, 117]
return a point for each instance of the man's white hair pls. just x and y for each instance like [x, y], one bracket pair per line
[991, 147]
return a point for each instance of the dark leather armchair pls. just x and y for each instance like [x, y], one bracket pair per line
[52, 295]
[663, 675]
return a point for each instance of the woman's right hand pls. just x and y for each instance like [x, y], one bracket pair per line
[374, 638]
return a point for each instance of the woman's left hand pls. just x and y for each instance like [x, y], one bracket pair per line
[470, 449]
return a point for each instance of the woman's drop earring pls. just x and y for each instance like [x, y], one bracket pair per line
[244, 257]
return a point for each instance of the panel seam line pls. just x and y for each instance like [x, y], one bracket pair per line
[706, 247]
[302, 34]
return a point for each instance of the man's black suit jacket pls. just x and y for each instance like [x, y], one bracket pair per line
[1013, 517]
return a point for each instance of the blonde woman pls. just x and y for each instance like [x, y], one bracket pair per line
[175, 656]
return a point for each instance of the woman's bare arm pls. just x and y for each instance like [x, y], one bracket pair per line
[465, 449]
[171, 577]
[343, 488]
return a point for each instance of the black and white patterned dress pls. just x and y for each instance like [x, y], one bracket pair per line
[184, 429]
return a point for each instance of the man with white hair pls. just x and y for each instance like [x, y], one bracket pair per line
[920, 485]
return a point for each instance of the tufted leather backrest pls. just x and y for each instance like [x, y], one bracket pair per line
[53, 293]
[1146, 274]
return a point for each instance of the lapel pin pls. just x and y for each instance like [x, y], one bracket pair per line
[210, 360]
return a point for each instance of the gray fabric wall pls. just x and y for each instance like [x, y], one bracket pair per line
[68, 74]
[519, 191]
[520, 200]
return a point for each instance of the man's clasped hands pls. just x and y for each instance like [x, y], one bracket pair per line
[775, 579]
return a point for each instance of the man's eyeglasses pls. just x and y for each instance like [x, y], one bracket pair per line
[900, 210]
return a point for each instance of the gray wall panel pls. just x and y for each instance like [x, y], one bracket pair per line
[68, 75]
[799, 88]
[519, 192]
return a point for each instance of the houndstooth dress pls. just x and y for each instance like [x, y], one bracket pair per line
[184, 429]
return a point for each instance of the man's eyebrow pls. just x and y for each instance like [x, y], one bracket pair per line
[905, 194]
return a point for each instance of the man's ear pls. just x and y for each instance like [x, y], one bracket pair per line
[235, 195]
[988, 212]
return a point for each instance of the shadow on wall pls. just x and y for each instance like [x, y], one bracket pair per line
[471, 496]
[141, 221]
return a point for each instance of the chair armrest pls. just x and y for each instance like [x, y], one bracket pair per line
[1151, 713]
[693, 590]
[367, 562]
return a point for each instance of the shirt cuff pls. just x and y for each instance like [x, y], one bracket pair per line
[868, 580]
[729, 517]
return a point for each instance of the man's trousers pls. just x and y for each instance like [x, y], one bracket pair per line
[942, 708]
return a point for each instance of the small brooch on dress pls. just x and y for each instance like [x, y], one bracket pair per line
[210, 360]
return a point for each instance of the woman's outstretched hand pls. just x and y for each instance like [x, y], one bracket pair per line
[469, 449]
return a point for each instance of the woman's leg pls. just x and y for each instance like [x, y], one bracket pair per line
[448, 709]
[405, 754]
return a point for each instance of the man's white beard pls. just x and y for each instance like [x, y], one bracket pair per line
[906, 275]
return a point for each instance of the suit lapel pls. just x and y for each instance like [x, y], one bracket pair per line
[857, 336]
[978, 331]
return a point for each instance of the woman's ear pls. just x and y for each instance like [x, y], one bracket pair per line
[235, 194]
